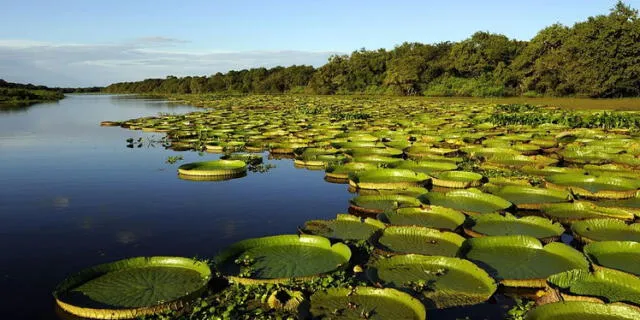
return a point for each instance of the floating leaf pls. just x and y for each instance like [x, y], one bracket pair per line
[443, 281]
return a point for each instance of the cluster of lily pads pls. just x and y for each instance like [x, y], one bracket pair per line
[449, 210]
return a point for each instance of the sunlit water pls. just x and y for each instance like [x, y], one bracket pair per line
[72, 196]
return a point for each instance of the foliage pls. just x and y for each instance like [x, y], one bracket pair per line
[599, 57]
[520, 309]
[238, 301]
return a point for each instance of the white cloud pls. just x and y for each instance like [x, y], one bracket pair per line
[149, 57]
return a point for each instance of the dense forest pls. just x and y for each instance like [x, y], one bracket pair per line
[28, 93]
[599, 57]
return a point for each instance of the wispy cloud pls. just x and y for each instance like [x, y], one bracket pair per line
[148, 57]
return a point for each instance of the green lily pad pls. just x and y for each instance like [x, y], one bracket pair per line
[375, 204]
[277, 258]
[456, 179]
[611, 170]
[422, 151]
[581, 210]
[132, 287]
[365, 303]
[470, 201]
[631, 204]
[426, 216]
[612, 285]
[389, 152]
[344, 227]
[531, 198]
[619, 255]
[493, 224]
[603, 187]
[605, 230]
[421, 240]
[582, 310]
[387, 179]
[442, 281]
[518, 160]
[378, 160]
[522, 261]
[216, 168]
[426, 166]
[341, 172]
[549, 171]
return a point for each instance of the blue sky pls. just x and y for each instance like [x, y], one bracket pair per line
[83, 43]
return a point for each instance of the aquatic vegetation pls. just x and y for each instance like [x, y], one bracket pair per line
[217, 169]
[441, 281]
[471, 201]
[426, 216]
[611, 285]
[344, 227]
[277, 258]
[492, 224]
[420, 240]
[605, 230]
[445, 191]
[582, 310]
[366, 303]
[522, 261]
[619, 255]
[133, 287]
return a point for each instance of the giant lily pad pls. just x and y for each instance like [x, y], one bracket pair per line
[387, 179]
[583, 310]
[389, 152]
[365, 303]
[421, 240]
[341, 172]
[605, 230]
[581, 210]
[531, 198]
[522, 261]
[443, 281]
[619, 255]
[493, 224]
[426, 166]
[518, 160]
[603, 187]
[377, 159]
[344, 227]
[216, 168]
[549, 171]
[277, 258]
[470, 201]
[612, 285]
[631, 204]
[426, 216]
[376, 204]
[133, 287]
[456, 179]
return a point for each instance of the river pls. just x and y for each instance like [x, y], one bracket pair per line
[73, 196]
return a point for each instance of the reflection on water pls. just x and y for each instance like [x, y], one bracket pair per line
[20, 107]
[74, 196]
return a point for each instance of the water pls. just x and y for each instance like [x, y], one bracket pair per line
[72, 196]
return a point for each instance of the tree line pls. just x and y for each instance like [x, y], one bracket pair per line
[599, 58]
[11, 92]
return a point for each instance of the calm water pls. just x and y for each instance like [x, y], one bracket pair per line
[72, 196]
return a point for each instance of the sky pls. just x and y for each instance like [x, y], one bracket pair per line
[77, 43]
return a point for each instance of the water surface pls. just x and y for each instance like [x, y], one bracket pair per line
[72, 196]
